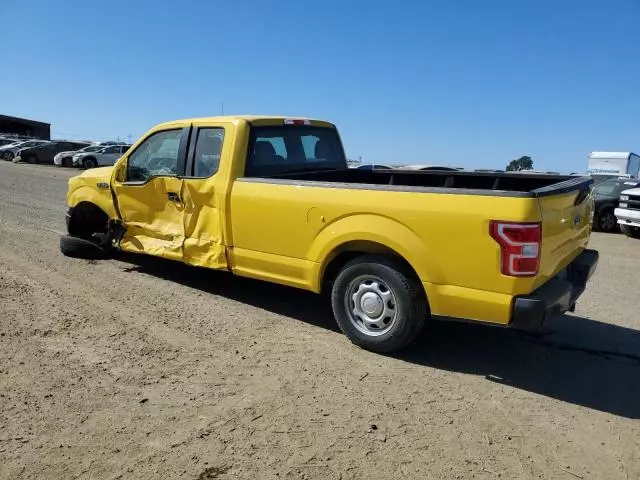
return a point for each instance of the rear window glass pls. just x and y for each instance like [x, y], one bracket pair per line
[293, 148]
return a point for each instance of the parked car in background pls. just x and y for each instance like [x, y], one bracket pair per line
[375, 166]
[6, 141]
[45, 153]
[607, 196]
[65, 159]
[8, 152]
[104, 157]
[431, 167]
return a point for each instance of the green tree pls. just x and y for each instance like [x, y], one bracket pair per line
[522, 163]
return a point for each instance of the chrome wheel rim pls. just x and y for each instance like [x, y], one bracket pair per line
[371, 305]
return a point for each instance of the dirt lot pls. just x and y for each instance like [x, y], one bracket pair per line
[136, 368]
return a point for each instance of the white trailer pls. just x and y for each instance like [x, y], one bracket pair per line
[613, 164]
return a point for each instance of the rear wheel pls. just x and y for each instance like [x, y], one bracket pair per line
[606, 221]
[8, 156]
[378, 304]
[32, 159]
[89, 163]
[629, 231]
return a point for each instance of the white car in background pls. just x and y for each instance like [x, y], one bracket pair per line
[65, 159]
[104, 157]
[430, 167]
[8, 152]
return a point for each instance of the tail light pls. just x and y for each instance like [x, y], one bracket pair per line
[520, 247]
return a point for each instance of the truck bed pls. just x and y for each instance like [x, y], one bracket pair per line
[460, 182]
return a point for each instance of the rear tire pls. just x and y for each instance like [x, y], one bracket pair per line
[7, 156]
[32, 159]
[631, 232]
[378, 304]
[89, 163]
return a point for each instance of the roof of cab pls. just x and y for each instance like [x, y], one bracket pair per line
[232, 118]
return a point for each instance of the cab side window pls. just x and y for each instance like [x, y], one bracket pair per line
[206, 156]
[158, 155]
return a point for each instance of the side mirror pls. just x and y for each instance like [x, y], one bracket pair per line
[120, 170]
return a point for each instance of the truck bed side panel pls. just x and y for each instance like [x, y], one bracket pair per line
[286, 233]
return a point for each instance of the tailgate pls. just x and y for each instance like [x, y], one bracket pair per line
[566, 209]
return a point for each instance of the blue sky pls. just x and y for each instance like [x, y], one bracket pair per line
[460, 82]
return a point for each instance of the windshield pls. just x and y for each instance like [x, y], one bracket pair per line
[613, 187]
[285, 149]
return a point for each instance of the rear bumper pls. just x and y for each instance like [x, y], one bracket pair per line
[556, 296]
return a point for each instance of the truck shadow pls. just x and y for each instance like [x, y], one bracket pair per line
[579, 360]
[298, 304]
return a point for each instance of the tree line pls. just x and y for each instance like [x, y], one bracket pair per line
[519, 164]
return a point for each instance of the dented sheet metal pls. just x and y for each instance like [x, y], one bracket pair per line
[154, 223]
[203, 244]
[184, 226]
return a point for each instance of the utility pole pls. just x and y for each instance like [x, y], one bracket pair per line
[222, 108]
[129, 139]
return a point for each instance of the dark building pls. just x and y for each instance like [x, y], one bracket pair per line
[25, 128]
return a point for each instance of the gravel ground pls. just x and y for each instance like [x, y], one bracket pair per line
[142, 368]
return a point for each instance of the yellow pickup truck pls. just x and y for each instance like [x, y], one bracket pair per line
[272, 198]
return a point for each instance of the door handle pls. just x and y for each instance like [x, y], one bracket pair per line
[173, 197]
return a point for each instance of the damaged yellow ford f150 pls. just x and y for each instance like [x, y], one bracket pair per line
[272, 198]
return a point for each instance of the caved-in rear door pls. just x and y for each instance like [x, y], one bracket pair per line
[203, 194]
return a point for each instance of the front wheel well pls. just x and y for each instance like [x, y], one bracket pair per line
[86, 219]
[350, 250]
